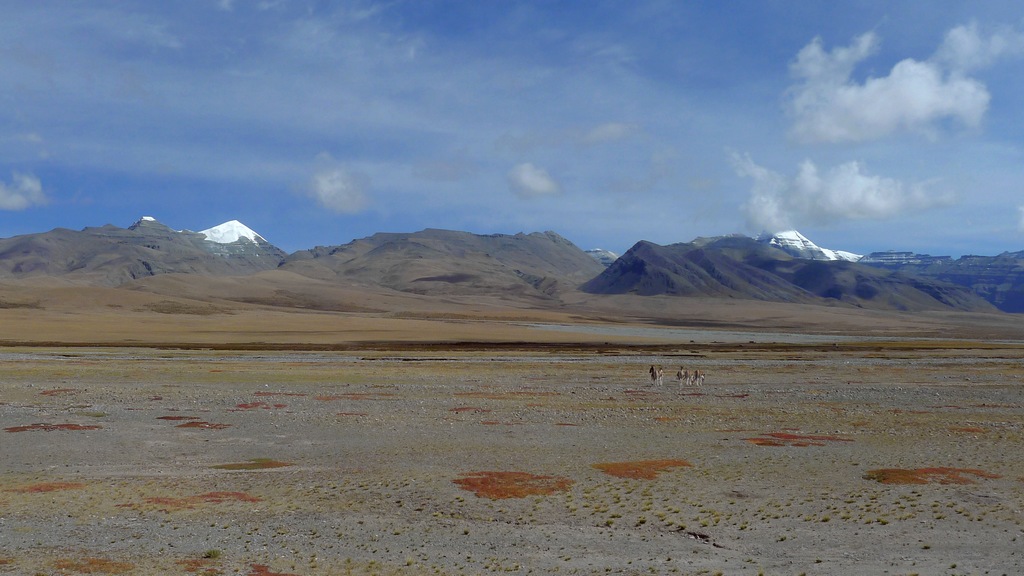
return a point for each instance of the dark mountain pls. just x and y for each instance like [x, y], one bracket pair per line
[111, 256]
[740, 267]
[448, 262]
[997, 279]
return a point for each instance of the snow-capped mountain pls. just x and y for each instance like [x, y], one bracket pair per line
[605, 257]
[232, 231]
[798, 245]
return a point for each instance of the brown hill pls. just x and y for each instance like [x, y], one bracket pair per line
[444, 262]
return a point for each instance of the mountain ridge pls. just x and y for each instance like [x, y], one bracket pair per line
[538, 267]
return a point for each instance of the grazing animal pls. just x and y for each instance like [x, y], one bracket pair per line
[698, 377]
[657, 375]
[683, 376]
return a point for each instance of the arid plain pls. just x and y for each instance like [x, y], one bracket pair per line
[143, 432]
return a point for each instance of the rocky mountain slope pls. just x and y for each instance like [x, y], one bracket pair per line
[111, 256]
[741, 267]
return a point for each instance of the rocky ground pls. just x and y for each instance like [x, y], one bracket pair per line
[855, 457]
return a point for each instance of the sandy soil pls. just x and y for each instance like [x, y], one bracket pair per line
[850, 456]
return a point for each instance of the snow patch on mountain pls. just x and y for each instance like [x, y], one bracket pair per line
[605, 257]
[230, 232]
[798, 245]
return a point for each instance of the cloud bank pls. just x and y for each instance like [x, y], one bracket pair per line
[813, 197]
[23, 192]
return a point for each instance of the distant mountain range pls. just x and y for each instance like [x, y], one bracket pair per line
[541, 268]
[742, 267]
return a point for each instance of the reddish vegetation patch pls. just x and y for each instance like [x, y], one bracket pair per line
[566, 424]
[59, 392]
[168, 504]
[176, 418]
[262, 570]
[969, 429]
[263, 405]
[733, 396]
[789, 439]
[51, 427]
[927, 475]
[94, 566]
[996, 406]
[254, 464]
[497, 485]
[47, 487]
[199, 564]
[639, 469]
[356, 396]
[203, 425]
[461, 409]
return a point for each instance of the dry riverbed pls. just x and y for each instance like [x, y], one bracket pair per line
[795, 458]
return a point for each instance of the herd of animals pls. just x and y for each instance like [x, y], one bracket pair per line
[683, 376]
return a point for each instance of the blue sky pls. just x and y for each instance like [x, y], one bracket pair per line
[865, 125]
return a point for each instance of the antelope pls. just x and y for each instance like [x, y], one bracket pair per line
[698, 377]
[657, 375]
[683, 376]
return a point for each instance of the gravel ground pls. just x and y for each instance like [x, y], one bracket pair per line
[367, 464]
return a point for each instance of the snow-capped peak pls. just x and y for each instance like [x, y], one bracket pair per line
[798, 245]
[229, 232]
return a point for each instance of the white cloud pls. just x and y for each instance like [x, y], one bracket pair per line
[528, 180]
[609, 132]
[845, 192]
[24, 191]
[337, 188]
[965, 49]
[827, 106]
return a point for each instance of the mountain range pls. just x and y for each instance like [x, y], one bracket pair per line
[540, 269]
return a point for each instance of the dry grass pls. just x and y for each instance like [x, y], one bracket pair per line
[377, 491]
